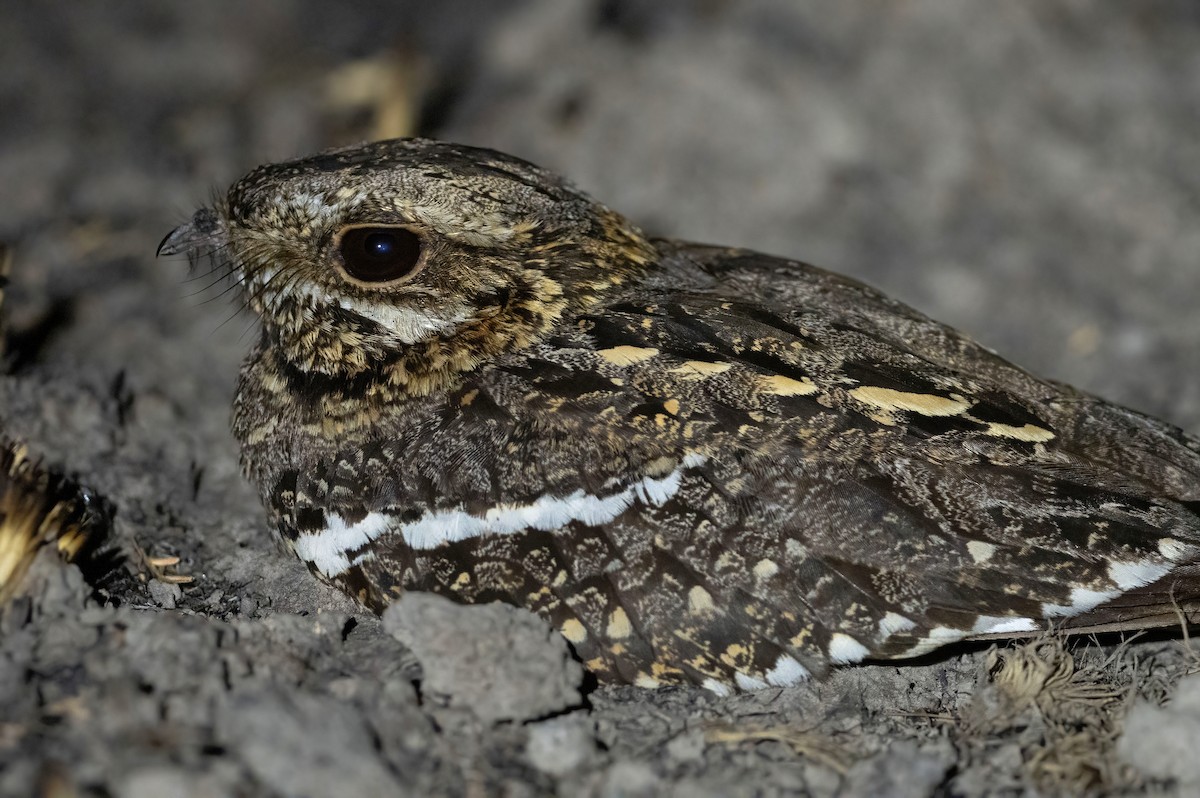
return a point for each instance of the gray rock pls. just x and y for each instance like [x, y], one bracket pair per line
[904, 770]
[165, 594]
[498, 662]
[297, 743]
[1161, 741]
[562, 745]
[168, 782]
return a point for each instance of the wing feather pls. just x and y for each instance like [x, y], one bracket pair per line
[851, 479]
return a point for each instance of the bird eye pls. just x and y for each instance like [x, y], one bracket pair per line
[379, 254]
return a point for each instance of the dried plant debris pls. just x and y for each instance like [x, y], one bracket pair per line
[40, 507]
[388, 89]
[816, 746]
[1062, 710]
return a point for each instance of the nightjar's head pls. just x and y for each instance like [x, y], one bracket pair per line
[354, 254]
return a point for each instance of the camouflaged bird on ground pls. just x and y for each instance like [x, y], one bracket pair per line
[700, 464]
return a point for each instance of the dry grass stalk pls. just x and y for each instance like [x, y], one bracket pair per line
[817, 747]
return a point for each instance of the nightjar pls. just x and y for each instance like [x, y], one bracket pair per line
[702, 465]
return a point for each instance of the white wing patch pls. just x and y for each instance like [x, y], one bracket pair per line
[713, 686]
[995, 625]
[844, 649]
[1173, 550]
[1125, 575]
[935, 638]
[1129, 575]
[327, 549]
[546, 513]
[894, 623]
[747, 682]
[787, 671]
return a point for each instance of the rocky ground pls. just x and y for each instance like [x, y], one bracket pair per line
[1025, 170]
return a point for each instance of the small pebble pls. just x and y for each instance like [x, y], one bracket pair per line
[164, 594]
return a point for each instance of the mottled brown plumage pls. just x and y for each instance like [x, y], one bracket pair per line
[701, 464]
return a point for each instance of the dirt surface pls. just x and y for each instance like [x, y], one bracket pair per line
[1027, 171]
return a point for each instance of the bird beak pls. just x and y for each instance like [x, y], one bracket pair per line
[203, 230]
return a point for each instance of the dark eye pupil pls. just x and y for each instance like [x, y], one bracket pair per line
[377, 255]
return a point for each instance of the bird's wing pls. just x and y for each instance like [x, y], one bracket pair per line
[1122, 440]
[697, 487]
